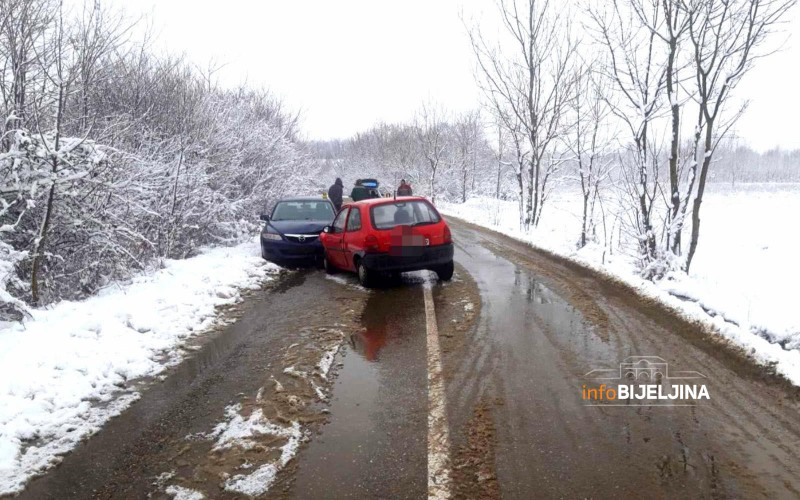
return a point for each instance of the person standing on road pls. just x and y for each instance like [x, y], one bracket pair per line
[404, 189]
[359, 192]
[335, 193]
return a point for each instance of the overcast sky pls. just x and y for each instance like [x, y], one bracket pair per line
[349, 64]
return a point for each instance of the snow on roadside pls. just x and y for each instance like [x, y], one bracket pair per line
[65, 372]
[734, 285]
[8, 260]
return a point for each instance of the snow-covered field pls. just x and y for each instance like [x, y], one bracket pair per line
[64, 372]
[743, 279]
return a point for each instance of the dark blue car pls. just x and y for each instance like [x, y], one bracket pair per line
[291, 233]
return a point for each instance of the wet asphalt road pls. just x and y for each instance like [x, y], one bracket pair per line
[544, 325]
[519, 331]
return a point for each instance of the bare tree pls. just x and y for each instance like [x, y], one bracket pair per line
[430, 126]
[451, 151]
[509, 128]
[669, 21]
[634, 66]
[56, 61]
[727, 37]
[499, 157]
[467, 135]
[404, 154]
[22, 26]
[532, 77]
[512, 124]
[97, 34]
[591, 141]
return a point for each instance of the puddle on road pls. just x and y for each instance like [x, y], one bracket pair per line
[510, 290]
[208, 349]
[374, 444]
[382, 319]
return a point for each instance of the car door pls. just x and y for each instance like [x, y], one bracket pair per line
[353, 238]
[334, 239]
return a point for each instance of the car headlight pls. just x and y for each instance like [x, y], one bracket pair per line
[271, 236]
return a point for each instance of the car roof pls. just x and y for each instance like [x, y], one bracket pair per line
[307, 198]
[379, 201]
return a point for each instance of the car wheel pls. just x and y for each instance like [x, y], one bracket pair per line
[263, 253]
[364, 275]
[445, 271]
[327, 265]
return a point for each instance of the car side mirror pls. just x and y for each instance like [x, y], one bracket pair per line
[264, 217]
[326, 229]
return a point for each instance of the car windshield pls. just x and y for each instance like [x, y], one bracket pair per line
[303, 210]
[403, 213]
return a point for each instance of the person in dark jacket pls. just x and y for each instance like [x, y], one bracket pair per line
[335, 193]
[359, 192]
[404, 189]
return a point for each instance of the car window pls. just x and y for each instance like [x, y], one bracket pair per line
[338, 223]
[354, 222]
[408, 213]
[302, 210]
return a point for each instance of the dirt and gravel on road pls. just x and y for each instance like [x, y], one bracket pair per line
[319, 389]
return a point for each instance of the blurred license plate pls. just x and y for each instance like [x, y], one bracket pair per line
[414, 240]
[407, 244]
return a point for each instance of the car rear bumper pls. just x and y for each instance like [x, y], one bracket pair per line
[410, 259]
[286, 251]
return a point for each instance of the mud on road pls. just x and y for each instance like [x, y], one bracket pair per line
[318, 389]
[375, 444]
[315, 389]
[237, 409]
[544, 324]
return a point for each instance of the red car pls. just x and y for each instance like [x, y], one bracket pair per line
[388, 236]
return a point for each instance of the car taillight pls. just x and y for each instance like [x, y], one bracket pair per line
[371, 243]
[448, 238]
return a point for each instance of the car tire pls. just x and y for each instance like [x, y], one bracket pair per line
[365, 276]
[326, 264]
[445, 271]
